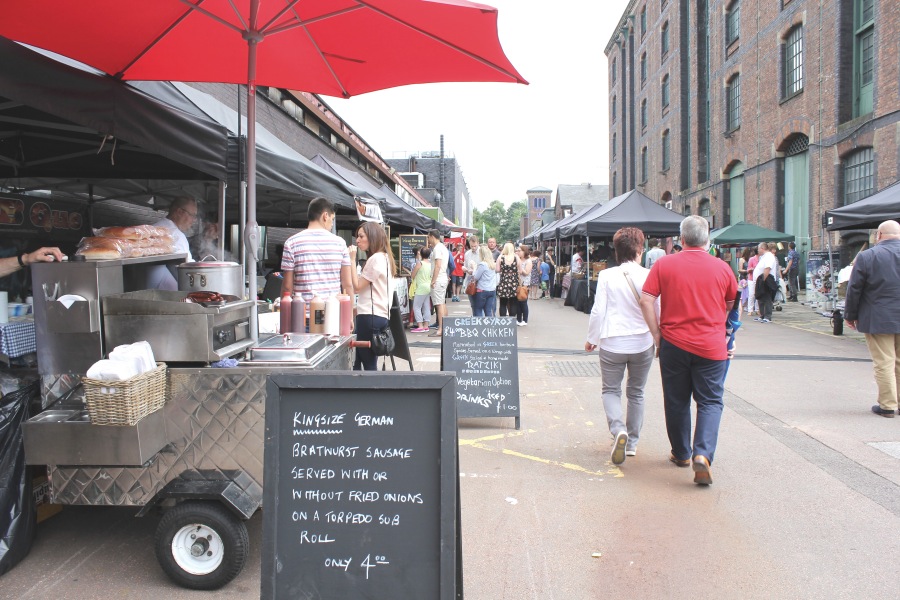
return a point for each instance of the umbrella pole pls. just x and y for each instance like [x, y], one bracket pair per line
[221, 246]
[251, 231]
[587, 251]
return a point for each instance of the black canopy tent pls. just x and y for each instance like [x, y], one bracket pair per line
[632, 209]
[89, 137]
[868, 213]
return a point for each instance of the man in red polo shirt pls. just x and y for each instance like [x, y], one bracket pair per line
[696, 291]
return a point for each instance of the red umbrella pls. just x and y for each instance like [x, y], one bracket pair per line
[334, 47]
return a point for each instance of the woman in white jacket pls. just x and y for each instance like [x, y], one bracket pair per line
[618, 328]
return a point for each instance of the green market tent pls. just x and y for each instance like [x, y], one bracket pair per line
[747, 233]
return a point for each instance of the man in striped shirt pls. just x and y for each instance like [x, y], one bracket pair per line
[315, 261]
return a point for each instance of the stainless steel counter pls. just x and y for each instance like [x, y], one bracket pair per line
[215, 426]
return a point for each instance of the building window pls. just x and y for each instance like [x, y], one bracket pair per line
[733, 23]
[643, 21]
[614, 184]
[664, 39]
[666, 152]
[614, 71]
[859, 176]
[643, 68]
[733, 101]
[863, 56]
[687, 208]
[614, 146]
[613, 106]
[644, 164]
[704, 208]
[665, 92]
[643, 115]
[793, 62]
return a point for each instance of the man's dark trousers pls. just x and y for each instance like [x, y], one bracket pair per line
[794, 283]
[685, 374]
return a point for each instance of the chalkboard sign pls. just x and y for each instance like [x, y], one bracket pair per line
[484, 353]
[360, 486]
[408, 245]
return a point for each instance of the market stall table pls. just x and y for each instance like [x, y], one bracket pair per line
[581, 295]
[17, 338]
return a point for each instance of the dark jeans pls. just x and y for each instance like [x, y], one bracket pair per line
[793, 284]
[522, 312]
[765, 306]
[483, 304]
[508, 306]
[683, 375]
[366, 360]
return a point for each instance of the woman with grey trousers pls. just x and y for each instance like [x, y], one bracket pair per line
[618, 329]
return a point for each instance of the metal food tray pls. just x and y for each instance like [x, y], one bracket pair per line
[291, 347]
[162, 302]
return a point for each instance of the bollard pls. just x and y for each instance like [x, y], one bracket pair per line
[837, 322]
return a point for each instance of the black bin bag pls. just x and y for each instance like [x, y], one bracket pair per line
[17, 512]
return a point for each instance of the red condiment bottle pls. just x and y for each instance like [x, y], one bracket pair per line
[298, 315]
[285, 309]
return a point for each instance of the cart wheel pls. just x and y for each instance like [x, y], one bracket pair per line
[201, 546]
[778, 308]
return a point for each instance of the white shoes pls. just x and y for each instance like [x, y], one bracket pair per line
[618, 452]
[521, 324]
[631, 453]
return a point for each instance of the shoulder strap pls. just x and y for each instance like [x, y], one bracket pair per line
[637, 296]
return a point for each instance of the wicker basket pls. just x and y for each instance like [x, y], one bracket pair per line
[125, 402]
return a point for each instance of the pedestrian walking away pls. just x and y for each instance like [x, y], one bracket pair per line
[618, 329]
[872, 308]
[508, 268]
[525, 266]
[696, 291]
[485, 277]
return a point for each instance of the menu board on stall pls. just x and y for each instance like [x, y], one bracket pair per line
[408, 244]
[484, 353]
[360, 486]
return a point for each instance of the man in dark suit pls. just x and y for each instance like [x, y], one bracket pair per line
[872, 307]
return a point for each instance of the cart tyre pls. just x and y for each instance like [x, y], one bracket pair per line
[207, 567]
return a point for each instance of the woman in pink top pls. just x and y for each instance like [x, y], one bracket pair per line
[751, 285]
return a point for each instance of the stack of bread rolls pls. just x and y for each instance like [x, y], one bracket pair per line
[127, 242]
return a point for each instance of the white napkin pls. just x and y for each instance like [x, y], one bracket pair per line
[113, 370]
[69, 299]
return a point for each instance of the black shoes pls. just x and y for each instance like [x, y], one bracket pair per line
[883, 412]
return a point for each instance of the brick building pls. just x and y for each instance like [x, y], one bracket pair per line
[438, 177]
[770, 112]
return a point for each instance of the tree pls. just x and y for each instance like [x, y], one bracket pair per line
[511, 229]
[492, 218]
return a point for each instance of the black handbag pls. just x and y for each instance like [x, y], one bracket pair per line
[382, 343]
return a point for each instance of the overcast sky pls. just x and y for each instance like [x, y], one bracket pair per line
[509, 138]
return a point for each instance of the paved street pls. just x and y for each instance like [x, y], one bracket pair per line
[805, 501]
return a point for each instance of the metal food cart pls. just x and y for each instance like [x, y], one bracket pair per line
[199, 458]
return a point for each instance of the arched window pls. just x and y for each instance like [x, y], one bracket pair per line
[664, 40]
[665, 92]
[733, 101]
[643, 68]
[643, 21]
[613, 109]
[793, 62]
[614, 146]
[613, 71]
[666, 200]
[643, 115]
[614, 184]
[733, 23]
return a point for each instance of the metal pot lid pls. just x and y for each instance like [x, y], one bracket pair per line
[207, 264]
